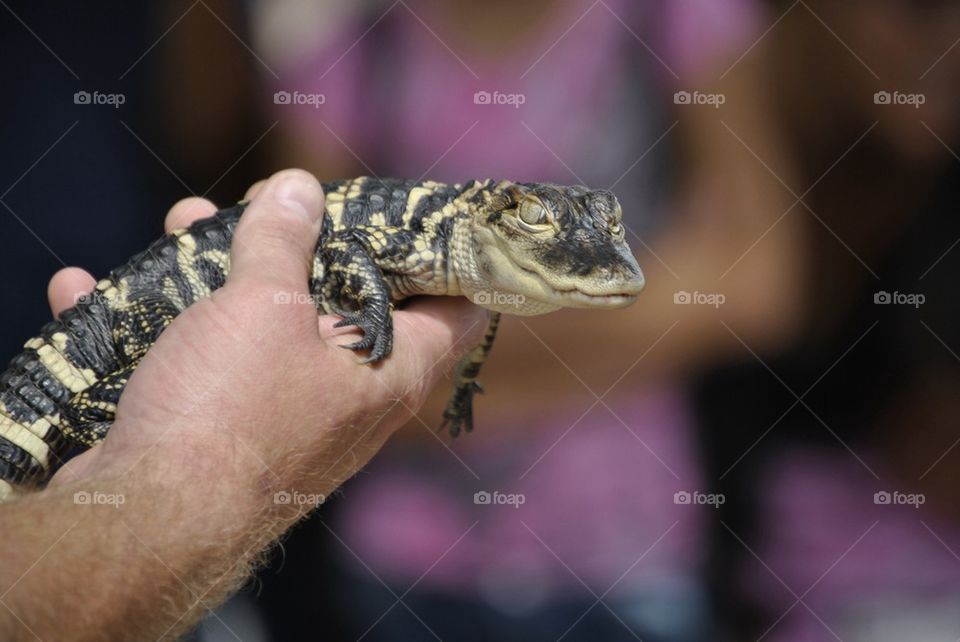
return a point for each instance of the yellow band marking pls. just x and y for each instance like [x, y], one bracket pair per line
[20, 436]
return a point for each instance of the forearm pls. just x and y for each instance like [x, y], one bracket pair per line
[145, 557]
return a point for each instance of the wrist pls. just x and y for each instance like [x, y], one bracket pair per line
[207, 469]
[189, 469]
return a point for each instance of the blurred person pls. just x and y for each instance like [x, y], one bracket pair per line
[835, 449]
[799, 292]
[599, 495]
[605, 485]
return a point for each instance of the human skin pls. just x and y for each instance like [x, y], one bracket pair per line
[240, 398]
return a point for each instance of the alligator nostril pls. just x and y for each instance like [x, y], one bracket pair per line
[634, 282]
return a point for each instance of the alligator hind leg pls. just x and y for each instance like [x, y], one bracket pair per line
[354, 286]
[89, 414]
[459, 412]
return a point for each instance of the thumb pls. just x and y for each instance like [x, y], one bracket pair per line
[275, 241]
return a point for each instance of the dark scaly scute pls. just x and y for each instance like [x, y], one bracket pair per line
[430, 203]
[396, 204]
[211, 273]
[12, 473]
[333, 186]
[15, 456]
[441, 242]
[387, 196]
[354, 214]
[214, 233]
[20, 459]
[87, 326]
[148, 282]
[34, 397]
[27, 368]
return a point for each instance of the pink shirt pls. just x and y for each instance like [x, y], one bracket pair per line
[402, 102]
[872, 568]
[598, 498]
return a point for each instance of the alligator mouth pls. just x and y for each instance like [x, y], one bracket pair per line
[575, 297]
[613, 300]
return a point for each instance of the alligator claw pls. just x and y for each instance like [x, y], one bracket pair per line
[377, 334]
[458, 415]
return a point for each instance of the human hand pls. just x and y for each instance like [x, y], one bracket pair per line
[239, 399]
[244, 385]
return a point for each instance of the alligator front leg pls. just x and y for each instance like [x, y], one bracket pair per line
[354, 286]
[459, 412]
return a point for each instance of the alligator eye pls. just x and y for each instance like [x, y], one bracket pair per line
[532, 213]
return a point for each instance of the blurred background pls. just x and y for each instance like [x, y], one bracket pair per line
[763, 447]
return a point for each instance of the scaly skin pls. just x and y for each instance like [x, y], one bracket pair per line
[520, 248]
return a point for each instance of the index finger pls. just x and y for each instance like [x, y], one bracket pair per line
[186, 211]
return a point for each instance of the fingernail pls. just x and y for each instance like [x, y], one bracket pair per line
[300, 196]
